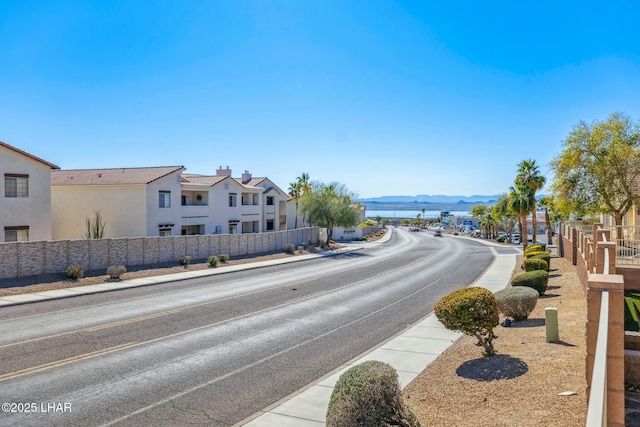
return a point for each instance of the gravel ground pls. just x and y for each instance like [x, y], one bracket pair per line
[521, 385]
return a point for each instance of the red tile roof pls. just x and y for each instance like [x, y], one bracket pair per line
[17, 150]
[117, 176]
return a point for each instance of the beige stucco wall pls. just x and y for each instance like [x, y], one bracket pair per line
[33, 211]
[123, 210]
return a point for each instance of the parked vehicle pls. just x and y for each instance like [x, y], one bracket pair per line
[515, 238]
[438, 233]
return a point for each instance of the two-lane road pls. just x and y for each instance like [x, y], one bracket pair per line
[212, 351]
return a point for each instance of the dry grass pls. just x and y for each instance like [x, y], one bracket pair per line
[521, 385]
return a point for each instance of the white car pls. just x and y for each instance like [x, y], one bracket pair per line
[438, 233]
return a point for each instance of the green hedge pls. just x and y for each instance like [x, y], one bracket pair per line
[535, 263]
[537, 280]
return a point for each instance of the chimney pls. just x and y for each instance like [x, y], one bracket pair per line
[223, 172]
[246, 177]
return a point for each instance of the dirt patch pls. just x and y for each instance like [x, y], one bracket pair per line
[521, 385]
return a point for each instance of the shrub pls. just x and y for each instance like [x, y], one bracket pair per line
[545, 256]
[115, 271]
[535, 263]
[212, 260]
[185, 260]
[517, 302]
[501, 239]
[533, 279]
[223, 257]
[529, 254]
[369, 394]
[74, 271]
[289, 248]
[534, 248]
[472, 311]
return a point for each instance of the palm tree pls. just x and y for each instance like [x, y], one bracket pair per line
[304, 186]
[521, 201]
[294, 193]
[547, 204]
[529, 176]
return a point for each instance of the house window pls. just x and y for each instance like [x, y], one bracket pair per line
[233, 228]
[269, 200]
[183, 199]
[233, 199]
[165, 199]
[165, 232]
[270, 226]
[16, 234]
[16, 185]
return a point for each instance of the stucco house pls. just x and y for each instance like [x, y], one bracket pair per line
[164, 201]
[132, 202]
[25, 205]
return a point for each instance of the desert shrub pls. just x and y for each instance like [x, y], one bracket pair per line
[369, 394]
[517, 302]
[537, 280]
[472, 311]
[501, 239]
[75, 271]
[289, 248]
[115, 271]
[223, 257]
[529, 254]
[534, 248]
[212, 261]
[545, 256]
[185, 260]
[535, 263]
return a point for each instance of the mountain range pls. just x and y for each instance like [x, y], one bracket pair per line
[424, 198]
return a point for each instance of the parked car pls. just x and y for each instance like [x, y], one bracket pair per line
[438, 233]
[515, 238]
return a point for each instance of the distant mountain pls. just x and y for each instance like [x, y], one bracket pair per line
[423, 198]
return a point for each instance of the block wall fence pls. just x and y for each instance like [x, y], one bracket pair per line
[24, 259]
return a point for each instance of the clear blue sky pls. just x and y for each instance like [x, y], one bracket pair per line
[389, 98]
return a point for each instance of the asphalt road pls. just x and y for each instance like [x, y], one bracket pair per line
[213, 351]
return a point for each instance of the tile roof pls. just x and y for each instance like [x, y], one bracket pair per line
[207, 180]
[17, 150]
[114, 176]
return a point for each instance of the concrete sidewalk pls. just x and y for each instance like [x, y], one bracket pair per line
[409, 353]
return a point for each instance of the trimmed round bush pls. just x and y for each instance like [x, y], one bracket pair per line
[535, 247]
[369, 394]
[115, 271]
[532, 279]
[223, 257]
[529, 254]
[212, 260]
[289, 248]
[544, 256]
[517, 302]
[472, 311]
[535, 263]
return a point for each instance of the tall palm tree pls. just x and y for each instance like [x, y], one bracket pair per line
[529, 176]
[304, 187]
[294, 193]
[546, 203]
[521, 201]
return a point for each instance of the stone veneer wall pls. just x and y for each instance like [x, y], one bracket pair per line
[23, 259]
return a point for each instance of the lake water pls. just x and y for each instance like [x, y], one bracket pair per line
[371, 213]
